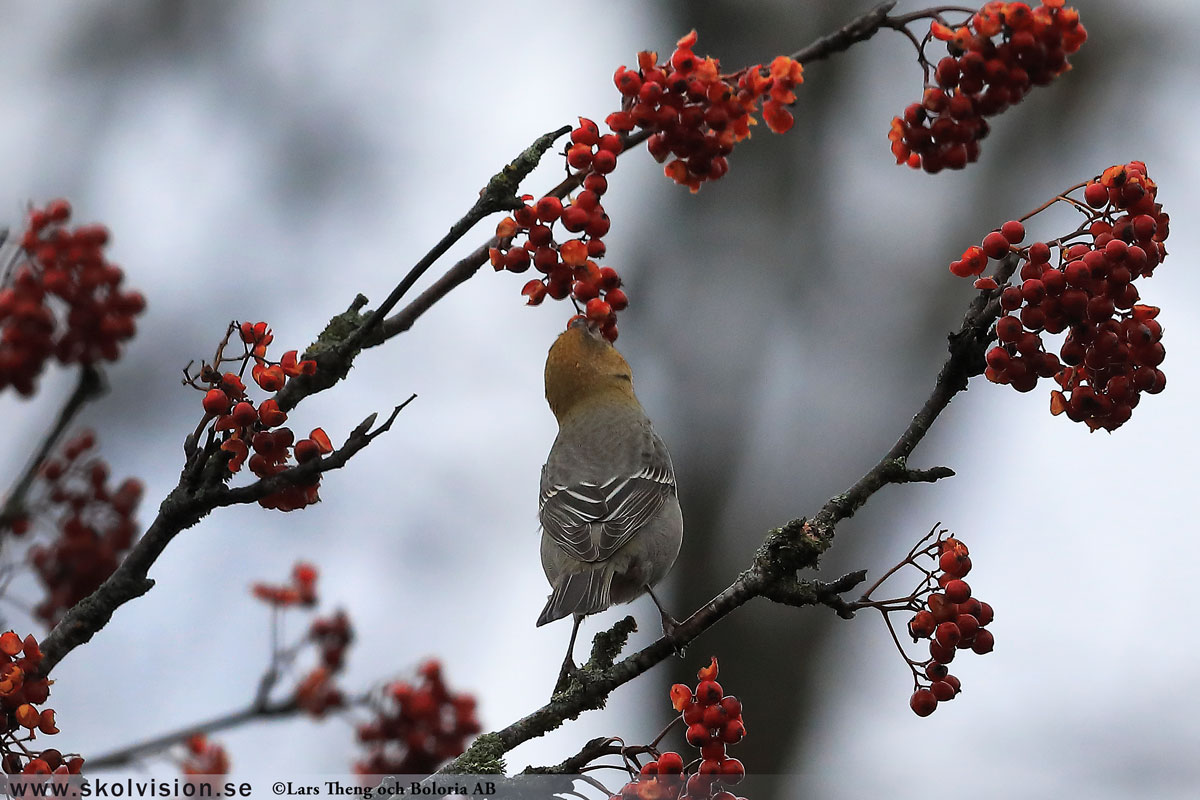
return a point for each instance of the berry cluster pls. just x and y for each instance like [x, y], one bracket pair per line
[698, 115]
[317, 693]
[204, 757]
[1003, 51]
[301, 591]
[952, 620]
[48, 762]
[245, 427]
[22, 688]
[691, 112]
[417, 727]
[569, 267]
[713, 720]
[59, 297]
[93, 522]
[1113, 348]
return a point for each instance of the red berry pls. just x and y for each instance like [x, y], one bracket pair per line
[579, 156]
[732, 771]
[948, 634]
[953, 563]
[587, 133]
[1095, 195]
[244, 414]
[733, 731]
[958, 591]
[670, 763]
[58, 210]
[942, 690]
[941, 653]
[922, 702]
[708, 692]
[1013, 231]
[604, 161]
[714, 717]
[995, 245]
[610, 142]
[597, 310]
[596, 183]
[575, 219]
[941, 608]
[216, 402]
[548, 209]
[969, 625]
[922, 625]
[1008, 329]
[697, 735]
[984, 642]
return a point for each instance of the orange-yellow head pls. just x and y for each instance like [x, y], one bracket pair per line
[584, 368]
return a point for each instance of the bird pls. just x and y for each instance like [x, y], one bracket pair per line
[609, 509]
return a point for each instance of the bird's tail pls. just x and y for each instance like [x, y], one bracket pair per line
[581, 593]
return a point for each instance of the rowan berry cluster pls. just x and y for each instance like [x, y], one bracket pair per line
[93, 523]
[204, 757]
[417, 726]
[1112, 350]
[300, 591]
[245, 427]
[317, 692]
[569, 266]
[952, 620]
[22, 689]
[692, 113]
[697, 114]
[60, 298]
[993, 61]
[713, 720]
[48, 762]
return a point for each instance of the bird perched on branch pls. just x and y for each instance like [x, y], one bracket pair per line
[611, 522]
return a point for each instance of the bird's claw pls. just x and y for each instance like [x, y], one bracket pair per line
[568, 673]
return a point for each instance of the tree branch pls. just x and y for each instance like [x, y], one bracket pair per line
[188, 503]
[339, 344]
[127, 755]
[857, 30]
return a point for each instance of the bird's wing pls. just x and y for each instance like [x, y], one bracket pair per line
[592, 521]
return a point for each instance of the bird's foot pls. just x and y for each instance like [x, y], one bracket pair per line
[567, 673]
[670, 625]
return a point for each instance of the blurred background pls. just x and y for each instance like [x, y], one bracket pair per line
[268, 160]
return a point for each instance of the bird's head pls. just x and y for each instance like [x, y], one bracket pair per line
[583, 367]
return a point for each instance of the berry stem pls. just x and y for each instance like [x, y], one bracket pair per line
[662, 735]
[89, 387]
[1057, 198]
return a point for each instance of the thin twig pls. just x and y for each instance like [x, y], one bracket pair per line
[127, 755]
[89, 386]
